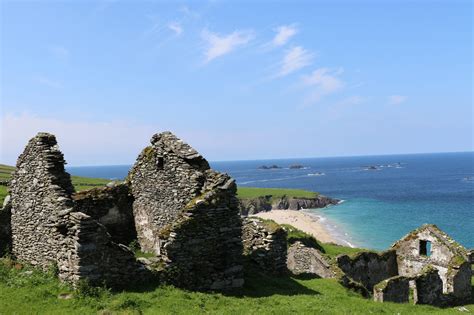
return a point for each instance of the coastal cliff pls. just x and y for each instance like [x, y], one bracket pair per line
[266, 203]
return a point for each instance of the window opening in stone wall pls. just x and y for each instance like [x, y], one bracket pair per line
[425, 248]
[161, 163]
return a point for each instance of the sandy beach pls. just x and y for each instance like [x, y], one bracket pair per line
[303, 221]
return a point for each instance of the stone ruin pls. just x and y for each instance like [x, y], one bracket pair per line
[426, 260]
[177, 207]
[428, 245]
[48, 230]
[187, 214]
[265, 244]
[304, 260]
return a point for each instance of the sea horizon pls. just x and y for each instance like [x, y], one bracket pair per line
[431, 187]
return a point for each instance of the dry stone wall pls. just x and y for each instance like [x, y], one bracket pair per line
[40, 189]
[369, 268]
[265, 243]
[307, 260]
[112, 207]
[90, 254]
[429, 287]
[395, 289]
[187, 214]
[48, 231]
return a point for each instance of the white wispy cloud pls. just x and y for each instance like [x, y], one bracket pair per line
[176, 28]
[295, 59]
[283, 34]
[219, 45]
[322, 82]
[48, 82]
[396, 99]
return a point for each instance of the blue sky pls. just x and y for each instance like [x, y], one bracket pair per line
[237, 79]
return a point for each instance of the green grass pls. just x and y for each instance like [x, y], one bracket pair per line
[24, 290]
[253, 192]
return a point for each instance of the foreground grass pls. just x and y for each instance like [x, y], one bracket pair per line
[24, 290]
[253, 192]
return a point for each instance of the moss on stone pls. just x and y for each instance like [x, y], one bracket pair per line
[165, 231]
[149, 153]
[271, 226]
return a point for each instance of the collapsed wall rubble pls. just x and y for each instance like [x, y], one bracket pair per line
[308, 261]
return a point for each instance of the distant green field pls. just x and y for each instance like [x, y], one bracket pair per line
[83, 183]
[80, 183]
[253, 192]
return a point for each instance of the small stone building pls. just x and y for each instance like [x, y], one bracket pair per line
[178, 208]
[427, 260]
[428, 245]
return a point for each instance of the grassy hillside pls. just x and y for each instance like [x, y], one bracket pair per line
[24, 290]
[253, 192]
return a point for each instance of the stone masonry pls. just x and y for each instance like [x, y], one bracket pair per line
[428, 245]
[306, 260]
[112, 207]
[369, 268]
[187, 215]
[265, 244]
[47, 231]
[395, 289]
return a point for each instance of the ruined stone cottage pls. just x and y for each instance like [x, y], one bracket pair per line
[47, 230]
[428, 245]
[427, 260]
[180, 209]
[187, 214]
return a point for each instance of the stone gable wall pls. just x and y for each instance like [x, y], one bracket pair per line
[40, 189]
[186, 214]
[46, 229]
[448, 257]
[265, 243]
[166, 176]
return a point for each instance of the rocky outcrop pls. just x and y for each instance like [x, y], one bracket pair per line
[266, 203]
[308, 261]
[187, 215]
[112, 207]
[265, 244]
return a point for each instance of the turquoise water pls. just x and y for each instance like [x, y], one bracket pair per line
[381, 205]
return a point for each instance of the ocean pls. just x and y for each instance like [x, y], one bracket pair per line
[385, 197]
